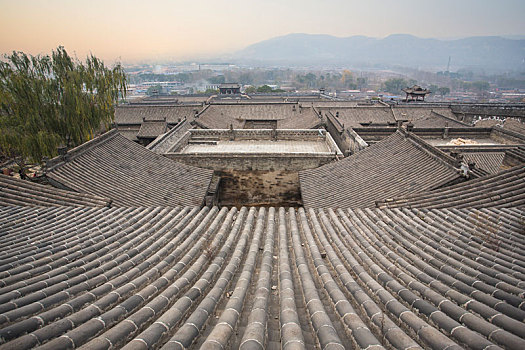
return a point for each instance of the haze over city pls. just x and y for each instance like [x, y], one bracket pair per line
[180, 30]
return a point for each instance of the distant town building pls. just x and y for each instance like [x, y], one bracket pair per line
[229, 89]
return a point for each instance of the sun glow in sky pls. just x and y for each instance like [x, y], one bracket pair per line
[178, 29]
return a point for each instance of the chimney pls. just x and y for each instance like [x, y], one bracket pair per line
[62, 152]
[445, 132]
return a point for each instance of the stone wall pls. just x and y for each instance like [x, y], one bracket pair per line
[356, 143]
[259, 188]
[253, 162]
[347, 140]
[497, 134]
[258, 134]
[336, 129]
[371, 135]
[444, 133]
[467, 113]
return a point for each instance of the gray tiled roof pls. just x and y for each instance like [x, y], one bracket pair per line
[517, 153]
[152, 129]
[514, 125]
[502, 190]
[445, 269]
[287, 115]
[163, 144]
[129, 174]
[334, 104]
[129, 132]
[135, 114]
[424, 117]
[399, 164]
[488, 161]
[229, 86]
[20, 192]
[261, 278]
[353, 117]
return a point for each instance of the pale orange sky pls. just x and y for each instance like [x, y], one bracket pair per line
[179, 29]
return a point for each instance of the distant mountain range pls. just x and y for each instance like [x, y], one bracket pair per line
[491, 53]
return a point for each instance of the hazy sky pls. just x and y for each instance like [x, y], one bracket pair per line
[179, 29]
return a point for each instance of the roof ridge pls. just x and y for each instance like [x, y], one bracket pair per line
[484, 184]
[509, 132]
[48, 195]
[202, 111]
[139, 105]
[216, 103]
[337, 124]
[80, 149]
[434, 152]
[451, 119]
[488, 179]
[162, 137]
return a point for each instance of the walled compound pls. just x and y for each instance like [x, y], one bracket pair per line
[406, 230]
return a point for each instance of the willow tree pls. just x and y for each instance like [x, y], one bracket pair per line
[54, 101]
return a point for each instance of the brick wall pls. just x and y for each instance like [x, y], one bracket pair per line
[253, 162]
[261, 188]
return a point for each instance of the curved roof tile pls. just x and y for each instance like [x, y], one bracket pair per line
[261, 277]
[20, 192]
[287, 115]
[129, 174]
[502, 190]
[399, 164]
[136, 114]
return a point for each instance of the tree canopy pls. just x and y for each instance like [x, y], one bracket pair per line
[154, 90]
[395, 85]
[54, 100]
[264, 89]
[250, 90]
[443, 91]
[219, 79]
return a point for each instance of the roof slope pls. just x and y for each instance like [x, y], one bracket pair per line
[287, 115]
[136, 114]
[517, 153]
[399, 164]
[357, 116]
[152, 129]
[162, 144]
[424, 117]
[20, 192]
[129, 174]
[416, 112]
[261, 278]
[514, 125]
[488, 161]
[505, 189]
